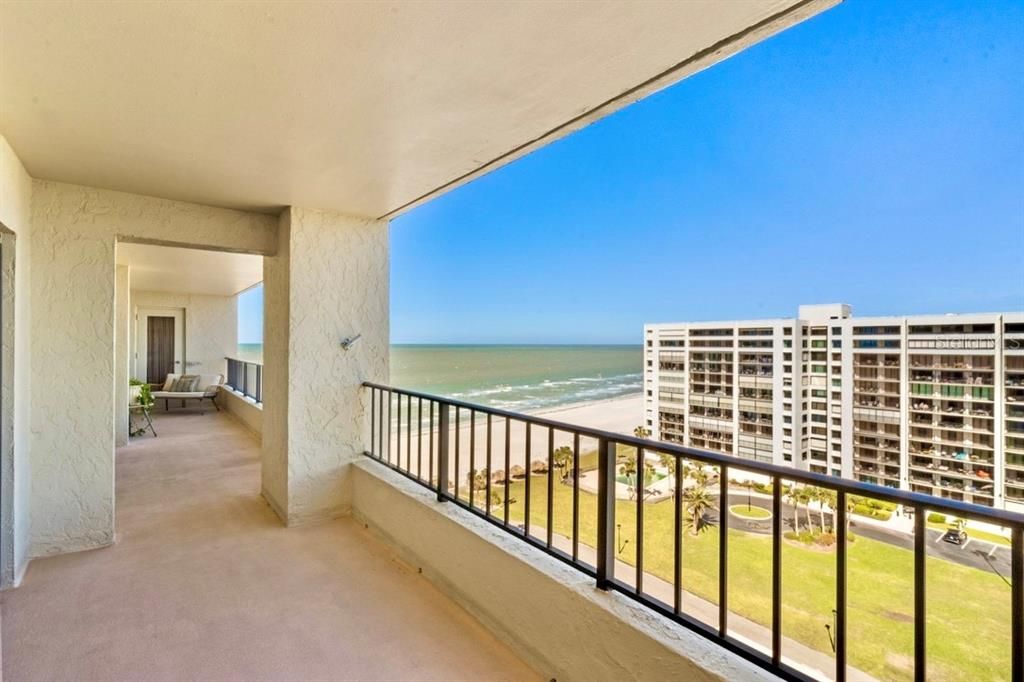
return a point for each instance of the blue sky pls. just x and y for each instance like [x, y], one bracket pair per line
[250, 315]
[873, 155]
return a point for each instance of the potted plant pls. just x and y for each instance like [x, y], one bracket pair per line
[140, 393]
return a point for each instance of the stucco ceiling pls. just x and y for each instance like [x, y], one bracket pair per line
[360, 107]
[189, 271]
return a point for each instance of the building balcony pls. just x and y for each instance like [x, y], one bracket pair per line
[204, 583]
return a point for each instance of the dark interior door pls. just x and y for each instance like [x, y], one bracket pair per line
[160, 348]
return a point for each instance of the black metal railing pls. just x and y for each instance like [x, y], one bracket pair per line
[246, 378]
[424, 437]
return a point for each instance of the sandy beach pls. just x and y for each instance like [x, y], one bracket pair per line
[618, 415]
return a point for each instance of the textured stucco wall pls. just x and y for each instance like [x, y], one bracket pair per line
[336, 287]
[122, 351]
[552, 615]
[211, 328]
[74, 230]
[15, 514]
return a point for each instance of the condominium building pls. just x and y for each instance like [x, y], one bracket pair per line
[929, 403]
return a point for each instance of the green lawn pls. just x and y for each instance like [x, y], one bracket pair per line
[968, 610]
[751, 512]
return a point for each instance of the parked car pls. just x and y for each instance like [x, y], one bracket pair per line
[955, 536]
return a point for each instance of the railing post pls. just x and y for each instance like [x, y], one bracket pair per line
[920, 601]
[839, 521]
[442, 452]
[1017, 603]
[723, 551]
[605, 513]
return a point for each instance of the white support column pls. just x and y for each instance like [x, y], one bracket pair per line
[328, 281]
[122, 353]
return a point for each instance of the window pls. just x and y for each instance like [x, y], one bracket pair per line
[875, 331]
[872, 343]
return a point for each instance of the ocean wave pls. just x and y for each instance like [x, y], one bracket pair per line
[548, 384]
[529, 398]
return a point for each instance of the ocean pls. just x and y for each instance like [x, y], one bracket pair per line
[518, 378]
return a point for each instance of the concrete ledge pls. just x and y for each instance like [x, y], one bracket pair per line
[548, 612]
[244, 409]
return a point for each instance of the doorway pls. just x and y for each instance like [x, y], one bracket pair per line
[160, 343]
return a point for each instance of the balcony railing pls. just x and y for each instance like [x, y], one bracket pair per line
[413, 433]
[246, 378]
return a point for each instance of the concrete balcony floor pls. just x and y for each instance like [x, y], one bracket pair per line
[205, 583]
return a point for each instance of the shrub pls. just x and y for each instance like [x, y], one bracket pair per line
[861, 510]
[935, 517]
[872, 503]
[791, 535]
[806, 537]
[825, 539]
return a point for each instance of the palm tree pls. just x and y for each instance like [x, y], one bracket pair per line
[814, 495]
[831, 498]
[628, 469]
[641, 480]
[477, 479]
[642, 432]
[804, 498]
[687, 471]
[701, 476]
[792, 493]
[563, 460]
[669, 462]
[696, 501]
[646, 477]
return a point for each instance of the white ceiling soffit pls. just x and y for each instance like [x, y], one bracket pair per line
[189, 271]
[362, 107]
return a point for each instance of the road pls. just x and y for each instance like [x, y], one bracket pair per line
[979, 554]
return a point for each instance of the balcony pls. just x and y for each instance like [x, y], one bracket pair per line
[204, 583]
[295, 134]
[576, 508]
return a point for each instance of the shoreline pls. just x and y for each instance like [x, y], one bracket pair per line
[545, 411]
[615, 415]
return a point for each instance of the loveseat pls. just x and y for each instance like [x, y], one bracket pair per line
[204, 387]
